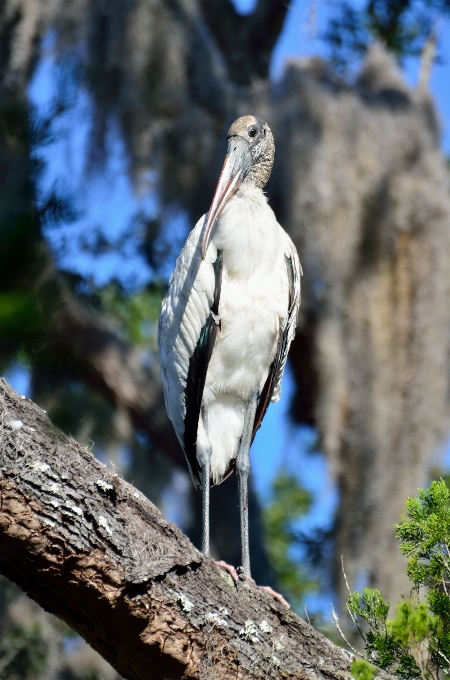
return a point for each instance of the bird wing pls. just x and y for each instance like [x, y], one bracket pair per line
[272, 387]
[186, 335]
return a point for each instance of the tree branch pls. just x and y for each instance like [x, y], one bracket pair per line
[77, 340]
[246, 41]
[94, 551]
[107, 364]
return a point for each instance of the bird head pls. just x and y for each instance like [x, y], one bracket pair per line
[250, 155]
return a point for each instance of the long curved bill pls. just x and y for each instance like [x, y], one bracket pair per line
[235, 168]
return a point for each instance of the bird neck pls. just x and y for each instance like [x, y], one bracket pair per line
[247, 231]
[249, 191]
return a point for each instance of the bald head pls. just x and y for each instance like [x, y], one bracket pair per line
[241, 125]
[261, 145]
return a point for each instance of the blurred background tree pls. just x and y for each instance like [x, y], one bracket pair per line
[113, 120]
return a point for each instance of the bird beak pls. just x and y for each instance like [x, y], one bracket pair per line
[237, 164]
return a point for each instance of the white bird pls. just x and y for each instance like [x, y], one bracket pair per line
[228, 320]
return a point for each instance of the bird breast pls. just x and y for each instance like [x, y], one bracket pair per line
[254, 296]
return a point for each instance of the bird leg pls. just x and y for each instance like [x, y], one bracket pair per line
[243, 471]
[205, 462]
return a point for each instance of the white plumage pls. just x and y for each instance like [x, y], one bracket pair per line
[254, 306]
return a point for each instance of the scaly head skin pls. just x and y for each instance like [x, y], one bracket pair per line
[261, 146]
[250, 155]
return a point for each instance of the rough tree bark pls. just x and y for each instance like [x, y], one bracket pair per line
[94, 551]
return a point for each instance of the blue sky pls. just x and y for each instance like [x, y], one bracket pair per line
[107, 201]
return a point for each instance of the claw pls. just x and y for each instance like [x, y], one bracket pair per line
[231, 570]
[276, 595]
[243, 576]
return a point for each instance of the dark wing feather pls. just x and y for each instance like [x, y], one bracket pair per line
[198, 366]
[266, 393]
[284, 341]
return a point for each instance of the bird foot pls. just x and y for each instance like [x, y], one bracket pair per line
[243, 576]
[276, 595]
[231, 570]
[239, 573]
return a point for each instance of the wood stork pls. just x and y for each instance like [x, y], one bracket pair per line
[227, 321]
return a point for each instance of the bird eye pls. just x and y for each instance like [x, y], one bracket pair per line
[252, 132]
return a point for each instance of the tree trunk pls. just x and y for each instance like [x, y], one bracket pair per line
[94, 551]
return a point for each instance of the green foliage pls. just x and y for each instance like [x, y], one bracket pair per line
[134, 316]
[362, 670]
[415, 643]
[289, 503]
[25, 270]
[19, 314]
[23, 653]
[370, 606]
